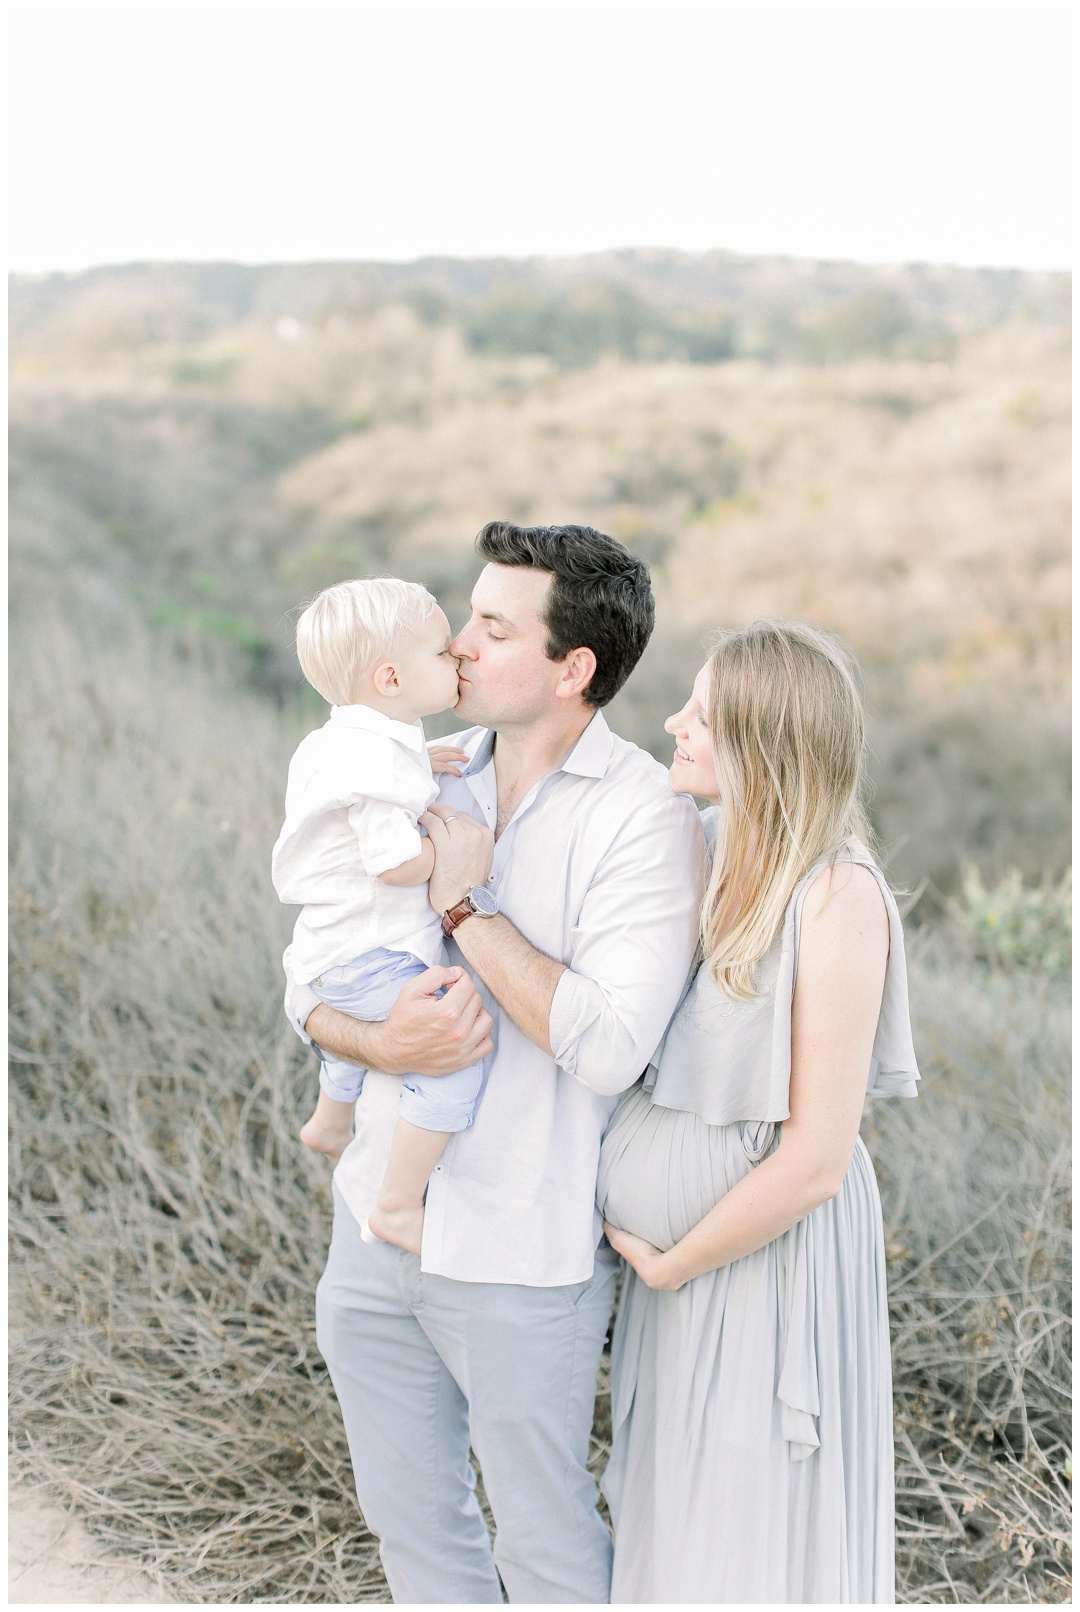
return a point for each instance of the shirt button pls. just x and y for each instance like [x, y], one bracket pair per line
[438, 1169]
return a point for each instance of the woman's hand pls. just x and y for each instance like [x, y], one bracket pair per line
[842, 959]
[652, 1266]
[447, 758]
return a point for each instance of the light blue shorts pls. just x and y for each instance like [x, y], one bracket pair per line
[367, 988]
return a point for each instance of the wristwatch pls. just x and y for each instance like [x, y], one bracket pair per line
[479, 902]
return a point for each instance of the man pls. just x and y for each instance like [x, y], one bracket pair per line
[493, 1335]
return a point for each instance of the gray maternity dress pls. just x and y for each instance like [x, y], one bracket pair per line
[752, 1455]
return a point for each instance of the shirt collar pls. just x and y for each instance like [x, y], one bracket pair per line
[372, 721]
[588, 759]
[590, 756]
[485, 748]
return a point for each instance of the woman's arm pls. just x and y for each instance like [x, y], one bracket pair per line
[843, 950]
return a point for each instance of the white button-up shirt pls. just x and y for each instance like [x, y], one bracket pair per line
[601, 868]
[356, 788]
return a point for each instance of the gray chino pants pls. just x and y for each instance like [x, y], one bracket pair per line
[422, 1367]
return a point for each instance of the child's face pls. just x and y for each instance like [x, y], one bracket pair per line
[427, 673]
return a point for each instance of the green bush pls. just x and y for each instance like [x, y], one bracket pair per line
[1013, 923]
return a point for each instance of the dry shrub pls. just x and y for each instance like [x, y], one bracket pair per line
[168, 1229]
[975, 1184]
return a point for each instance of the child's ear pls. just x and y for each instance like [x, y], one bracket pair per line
[385, 679]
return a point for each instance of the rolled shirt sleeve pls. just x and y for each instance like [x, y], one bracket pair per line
[632, 945]
[300, 1002]
[356, 788]
[386, 835]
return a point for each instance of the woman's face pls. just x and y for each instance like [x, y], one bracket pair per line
[692, 771]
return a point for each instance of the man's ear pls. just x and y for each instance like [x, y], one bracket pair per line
[385, 679]
[579, 668]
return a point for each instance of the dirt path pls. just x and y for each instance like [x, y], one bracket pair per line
[52, 1560]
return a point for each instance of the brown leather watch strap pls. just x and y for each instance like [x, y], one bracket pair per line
[457, 915]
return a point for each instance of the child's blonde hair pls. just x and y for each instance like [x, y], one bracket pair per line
[786, 725]
[349, 627]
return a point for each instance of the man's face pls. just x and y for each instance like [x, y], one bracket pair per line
[505, 678]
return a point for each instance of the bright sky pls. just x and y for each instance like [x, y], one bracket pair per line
[260, 134]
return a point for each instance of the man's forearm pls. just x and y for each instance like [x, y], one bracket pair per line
[521, 979]
[357, 1041]
[427, 1033]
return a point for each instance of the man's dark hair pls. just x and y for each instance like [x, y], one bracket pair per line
[601, 597]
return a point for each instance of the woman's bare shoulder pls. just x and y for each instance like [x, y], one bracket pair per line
[846, 898]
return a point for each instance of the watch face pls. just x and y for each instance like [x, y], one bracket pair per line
[483, 901]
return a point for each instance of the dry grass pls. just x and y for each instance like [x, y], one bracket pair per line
[975, 1182]
[167, 1226]
[168, 1229]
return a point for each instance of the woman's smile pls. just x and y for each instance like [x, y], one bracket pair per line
[690, 773]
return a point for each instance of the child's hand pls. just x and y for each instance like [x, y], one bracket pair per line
[447, 758]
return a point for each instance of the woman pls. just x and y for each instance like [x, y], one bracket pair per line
[752, 1416]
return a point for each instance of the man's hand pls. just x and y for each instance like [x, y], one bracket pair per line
[425, 1034]
[463, 852]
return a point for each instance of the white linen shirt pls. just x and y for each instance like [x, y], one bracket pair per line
[356, 788]
[601, 868]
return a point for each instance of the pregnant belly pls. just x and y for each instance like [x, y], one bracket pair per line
[662, 1170]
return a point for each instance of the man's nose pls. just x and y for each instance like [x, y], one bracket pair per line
[460, 646]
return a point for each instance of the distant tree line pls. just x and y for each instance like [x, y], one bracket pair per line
[580, 325]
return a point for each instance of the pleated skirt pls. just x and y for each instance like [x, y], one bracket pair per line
[752, 1454]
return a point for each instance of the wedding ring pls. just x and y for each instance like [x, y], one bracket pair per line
[451, 819]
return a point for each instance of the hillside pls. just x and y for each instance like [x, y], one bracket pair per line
[881, 451]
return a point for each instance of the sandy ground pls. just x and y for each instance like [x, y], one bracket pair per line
[53, 1561]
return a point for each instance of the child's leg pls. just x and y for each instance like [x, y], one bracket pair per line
[398, 1217]
[366, 988]
[432, 1108]
[330, 1128]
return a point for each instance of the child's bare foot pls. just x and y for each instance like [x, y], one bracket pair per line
[405, 1227]
[324, 1139]
[330, 1128]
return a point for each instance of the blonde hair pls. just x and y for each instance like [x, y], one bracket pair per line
[786, 724]
[349, 627]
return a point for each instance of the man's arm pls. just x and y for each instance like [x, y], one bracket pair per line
[602, 1017]
[521, 979]
[425, 1034]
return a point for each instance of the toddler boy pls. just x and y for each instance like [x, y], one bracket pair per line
[352, 855]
